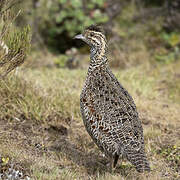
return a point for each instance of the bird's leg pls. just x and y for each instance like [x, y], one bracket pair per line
[116, 157]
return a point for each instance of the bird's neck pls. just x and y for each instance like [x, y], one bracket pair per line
[98, 57]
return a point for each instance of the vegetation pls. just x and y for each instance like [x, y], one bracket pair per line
[15, 42]
[41, 129]
[60, 20]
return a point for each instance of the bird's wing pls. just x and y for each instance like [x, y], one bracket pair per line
[125, 115]
[111, 109]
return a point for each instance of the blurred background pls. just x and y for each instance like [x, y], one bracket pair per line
[42, 72]
[138, 30]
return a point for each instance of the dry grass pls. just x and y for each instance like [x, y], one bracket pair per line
[42, 131]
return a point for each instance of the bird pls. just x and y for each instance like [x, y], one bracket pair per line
[108, 111]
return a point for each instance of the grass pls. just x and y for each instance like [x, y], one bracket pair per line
[43, 133]
[41, 129]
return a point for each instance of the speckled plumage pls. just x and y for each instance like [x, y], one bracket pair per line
[108, 111]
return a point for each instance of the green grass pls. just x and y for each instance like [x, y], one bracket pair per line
[41, 106]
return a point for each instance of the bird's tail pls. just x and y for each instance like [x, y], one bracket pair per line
[139, 160]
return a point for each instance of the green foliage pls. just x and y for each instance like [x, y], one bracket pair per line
[171, 154]
[72, 16]
[171, 39]
[171, 42]
[168, 57]
[59, 21]
[61, 61]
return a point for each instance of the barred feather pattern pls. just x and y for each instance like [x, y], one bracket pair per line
[109, 112]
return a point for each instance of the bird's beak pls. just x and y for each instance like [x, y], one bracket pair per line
[79, 36]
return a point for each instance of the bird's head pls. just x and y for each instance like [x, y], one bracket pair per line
[94, 36]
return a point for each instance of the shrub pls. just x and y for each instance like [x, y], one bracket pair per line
[61, 61]
[15, 42]
[60, 20]
[171, 53]
[72, 16]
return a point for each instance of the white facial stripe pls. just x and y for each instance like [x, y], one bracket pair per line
[95, 39]
[103, 48]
